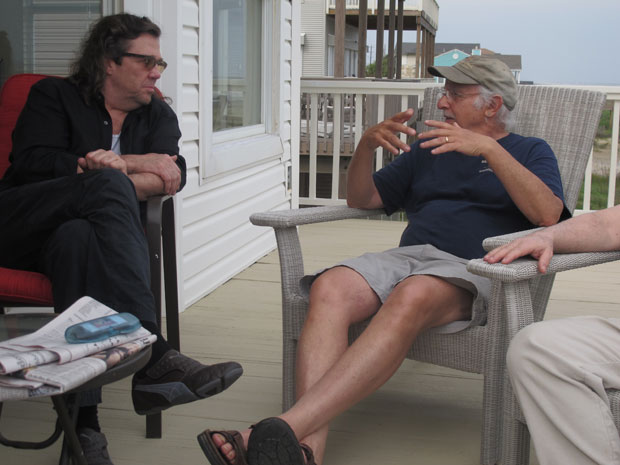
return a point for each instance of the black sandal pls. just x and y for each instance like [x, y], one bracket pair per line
[273, 442]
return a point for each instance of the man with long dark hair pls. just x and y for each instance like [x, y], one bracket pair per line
[86, 150]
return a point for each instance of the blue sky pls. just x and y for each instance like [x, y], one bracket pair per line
[560, 42]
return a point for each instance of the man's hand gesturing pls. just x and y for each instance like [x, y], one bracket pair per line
[385, 134]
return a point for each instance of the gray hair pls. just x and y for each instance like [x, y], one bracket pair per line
[504, 116]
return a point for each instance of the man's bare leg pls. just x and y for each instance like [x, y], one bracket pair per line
[326, 326]
[417, 303]
[339, 298]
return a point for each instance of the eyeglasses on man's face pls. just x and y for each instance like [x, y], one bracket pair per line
[453, 95]
[149, 61]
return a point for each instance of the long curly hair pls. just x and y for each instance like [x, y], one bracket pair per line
[107, 38]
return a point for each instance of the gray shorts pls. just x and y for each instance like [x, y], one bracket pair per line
[384, 270]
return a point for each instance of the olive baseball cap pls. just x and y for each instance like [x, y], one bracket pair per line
[486, 71]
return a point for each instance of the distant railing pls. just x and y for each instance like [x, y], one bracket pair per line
[429, 7]
[372, 4]
[336, 112]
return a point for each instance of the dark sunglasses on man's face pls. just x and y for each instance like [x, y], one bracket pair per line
[149, 61]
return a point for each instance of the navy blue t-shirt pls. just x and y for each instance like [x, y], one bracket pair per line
[454, 201]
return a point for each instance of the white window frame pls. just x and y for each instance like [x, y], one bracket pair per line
[234, 148]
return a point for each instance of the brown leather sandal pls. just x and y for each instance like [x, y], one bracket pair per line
[308, 453]
[212, 451]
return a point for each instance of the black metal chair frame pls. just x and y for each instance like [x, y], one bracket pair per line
[160, 234]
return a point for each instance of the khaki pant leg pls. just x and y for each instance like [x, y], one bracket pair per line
[559, 370]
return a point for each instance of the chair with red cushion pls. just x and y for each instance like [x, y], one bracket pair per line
[20, 288]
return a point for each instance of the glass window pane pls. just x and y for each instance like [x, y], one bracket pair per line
[237, 57]
[42, 36]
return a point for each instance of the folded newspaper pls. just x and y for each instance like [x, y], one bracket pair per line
[43, 363]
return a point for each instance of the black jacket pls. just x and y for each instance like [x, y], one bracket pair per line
[56, 127]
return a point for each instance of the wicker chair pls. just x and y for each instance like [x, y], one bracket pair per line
[567, 119]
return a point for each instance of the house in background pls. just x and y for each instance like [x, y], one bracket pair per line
[318, 41]
[443, 47]
[448, 54]
[233, 78]
[450, 57]
[318, 19]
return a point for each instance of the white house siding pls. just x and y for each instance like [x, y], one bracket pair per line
[315, 41]
[215, 238]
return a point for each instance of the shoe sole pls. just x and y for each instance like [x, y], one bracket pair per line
[273, 442]
[177, 393]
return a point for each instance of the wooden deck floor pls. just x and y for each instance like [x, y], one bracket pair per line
[424, 414]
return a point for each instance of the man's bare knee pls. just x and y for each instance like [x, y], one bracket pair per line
[343, 290]
[338, 284]
[430, 300]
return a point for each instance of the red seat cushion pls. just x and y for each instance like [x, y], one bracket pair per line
[12, 99]
[25, 287]
[17, 286]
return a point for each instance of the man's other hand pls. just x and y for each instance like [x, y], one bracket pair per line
[447, 137]
[99, 159]
[161, 164]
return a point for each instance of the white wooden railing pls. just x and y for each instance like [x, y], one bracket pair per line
[332, 123]
[335, 112]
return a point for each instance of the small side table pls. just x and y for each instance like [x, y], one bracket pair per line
[14, 325]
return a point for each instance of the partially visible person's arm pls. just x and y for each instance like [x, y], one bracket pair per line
[361, 189]
[147, 185]
[592, 232]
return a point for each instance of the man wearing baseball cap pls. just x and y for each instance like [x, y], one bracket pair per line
[466, 179]
[490, 73]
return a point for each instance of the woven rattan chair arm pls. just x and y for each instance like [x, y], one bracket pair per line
[527, 268]
[289, 218]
